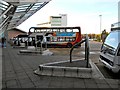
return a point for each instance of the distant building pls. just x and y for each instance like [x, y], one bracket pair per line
[46, 24]
[64, 19]
[56, 20]
[117, 24]
[119, 12]
[14, 32]
[60, 20]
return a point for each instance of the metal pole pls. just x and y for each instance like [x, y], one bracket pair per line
[45, 45]
[100, 25]
[41, 49]
[79, 43]
[87, 51]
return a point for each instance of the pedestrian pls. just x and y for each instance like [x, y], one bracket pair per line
[3, 41]
[103, 35]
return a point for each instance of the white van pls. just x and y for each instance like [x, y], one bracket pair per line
[110, 51]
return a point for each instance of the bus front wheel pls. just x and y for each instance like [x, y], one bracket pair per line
[69, 45]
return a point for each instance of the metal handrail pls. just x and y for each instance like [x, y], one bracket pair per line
[86, 40]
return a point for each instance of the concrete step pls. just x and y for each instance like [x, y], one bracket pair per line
[29, 52]
[65, 71]
[34, 52]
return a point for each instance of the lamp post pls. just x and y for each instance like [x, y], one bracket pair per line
[100, 25]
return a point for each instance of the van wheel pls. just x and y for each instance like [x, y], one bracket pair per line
[69, 45]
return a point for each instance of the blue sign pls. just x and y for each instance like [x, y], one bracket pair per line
[65, 33]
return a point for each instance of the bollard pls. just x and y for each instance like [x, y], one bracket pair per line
[87, 51]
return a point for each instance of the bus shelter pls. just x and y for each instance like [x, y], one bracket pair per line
[15, 12]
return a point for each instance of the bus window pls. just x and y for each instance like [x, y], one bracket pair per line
[75, 30]
[69, 30]
[55, 30]
[62, 30]
[32, 30]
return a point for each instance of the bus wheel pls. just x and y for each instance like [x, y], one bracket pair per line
[69, 45]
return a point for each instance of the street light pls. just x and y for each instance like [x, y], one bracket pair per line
[100, 22]
[100, 25]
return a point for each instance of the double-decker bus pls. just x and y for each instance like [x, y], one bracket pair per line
[20, 40]
[57, 36]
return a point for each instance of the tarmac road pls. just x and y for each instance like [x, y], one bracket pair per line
[107, 73]
[80, 52]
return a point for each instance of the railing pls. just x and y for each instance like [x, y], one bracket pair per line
[41, 46]
[86, 40]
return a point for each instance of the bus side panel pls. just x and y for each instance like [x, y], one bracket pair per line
[78, 38]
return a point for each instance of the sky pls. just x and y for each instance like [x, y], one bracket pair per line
[83, 13]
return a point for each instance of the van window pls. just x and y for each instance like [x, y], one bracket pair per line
[113, 39]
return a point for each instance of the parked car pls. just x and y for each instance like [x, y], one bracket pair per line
[110, 51]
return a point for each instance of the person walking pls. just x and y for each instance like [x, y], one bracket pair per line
[3, 41]
[103, 35]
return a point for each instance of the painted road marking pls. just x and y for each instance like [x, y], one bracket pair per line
[91, 52]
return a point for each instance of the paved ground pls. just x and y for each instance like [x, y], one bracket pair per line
[0, 68]
[17, 72]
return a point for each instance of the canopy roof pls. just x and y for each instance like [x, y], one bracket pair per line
[14, 12]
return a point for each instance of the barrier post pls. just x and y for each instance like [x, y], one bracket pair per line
[87, 51]
[41, 49]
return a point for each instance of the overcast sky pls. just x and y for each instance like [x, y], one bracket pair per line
[83, 13]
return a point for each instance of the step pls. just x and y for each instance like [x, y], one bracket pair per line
[29, 52]
[78, 72]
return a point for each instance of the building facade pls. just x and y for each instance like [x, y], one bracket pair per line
[117, 24]
[55, 20]
[14, 32]
[60, 20]
[119, 12]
